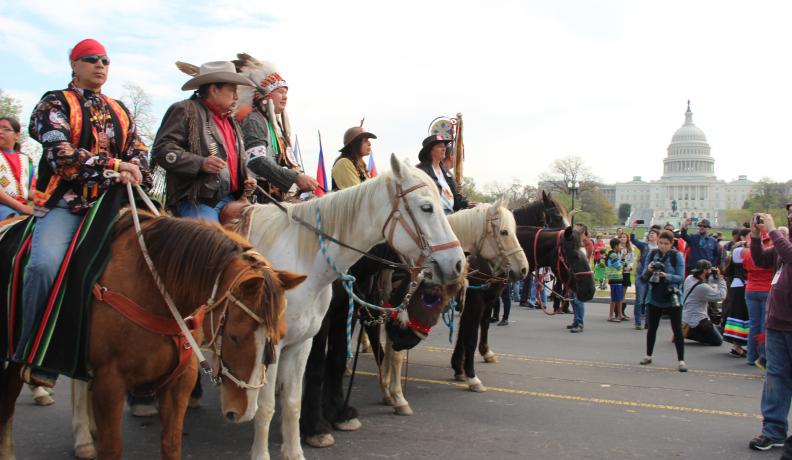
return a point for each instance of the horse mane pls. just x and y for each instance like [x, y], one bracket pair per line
[338, 210]
[535, 211]
[186, 253]
[269, 301]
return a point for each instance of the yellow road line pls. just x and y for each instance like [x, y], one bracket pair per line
[601, 364]
[611, 402]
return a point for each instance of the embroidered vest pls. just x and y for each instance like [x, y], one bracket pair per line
[17, 189]
[54, 187]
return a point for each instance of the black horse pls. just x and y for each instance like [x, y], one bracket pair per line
[560, 249]
[324, 404]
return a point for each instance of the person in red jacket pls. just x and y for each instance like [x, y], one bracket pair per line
[757, 288]
[777, 391]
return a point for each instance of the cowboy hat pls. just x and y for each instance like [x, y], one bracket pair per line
[430, 142]
[353, 133]
[215, 72]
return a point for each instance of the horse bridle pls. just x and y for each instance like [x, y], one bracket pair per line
[223, 303]
[490, 228]
[561, 260]
[396, 217]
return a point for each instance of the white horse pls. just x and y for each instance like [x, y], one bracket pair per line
[486, 231]
[401, 207]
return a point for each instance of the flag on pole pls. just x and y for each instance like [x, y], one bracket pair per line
[372, 168]
[321, 176]
[298, 153]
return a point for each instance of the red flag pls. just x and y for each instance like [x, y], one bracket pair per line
[372, 168]
[321, 176]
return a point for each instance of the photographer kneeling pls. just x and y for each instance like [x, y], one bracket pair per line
[704, 285]
[665, 271]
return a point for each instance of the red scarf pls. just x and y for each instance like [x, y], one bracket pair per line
[13, 161]
[229, 136]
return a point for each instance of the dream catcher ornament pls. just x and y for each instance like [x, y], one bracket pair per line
[444, 127]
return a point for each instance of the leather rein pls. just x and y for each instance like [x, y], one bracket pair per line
[561, 262]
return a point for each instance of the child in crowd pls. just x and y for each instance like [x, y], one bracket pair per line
[615, 277]
[600, 265]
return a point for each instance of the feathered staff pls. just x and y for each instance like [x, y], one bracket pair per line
[459, 150]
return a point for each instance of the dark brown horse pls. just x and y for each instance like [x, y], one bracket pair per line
[192, 259]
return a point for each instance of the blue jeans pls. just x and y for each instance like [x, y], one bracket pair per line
[777, 390]
[50, 241]
[756, 302]
[185, 208]
[532, 296]
[7, 211]
[639, 310]
[579, 309]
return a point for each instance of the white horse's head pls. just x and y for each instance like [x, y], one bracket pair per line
[500, 245]
[417, 227]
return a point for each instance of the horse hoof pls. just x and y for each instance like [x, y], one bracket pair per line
[352, 424]
[194, 403]
[459, 377]
[144, 410]
[489, 357]
[42, 397]
[477, 387]
[403, 410]
[367, 349]
[387, 401]
[85, 452]
[320, 440]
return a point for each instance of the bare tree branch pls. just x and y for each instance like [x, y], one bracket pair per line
[139, 104]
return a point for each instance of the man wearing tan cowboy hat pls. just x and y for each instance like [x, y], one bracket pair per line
[199, 144]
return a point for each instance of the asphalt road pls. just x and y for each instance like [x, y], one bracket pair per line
[551, 395]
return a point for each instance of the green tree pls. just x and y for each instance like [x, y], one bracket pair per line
[470, 190]
[9, 106]
[624, 211]
[766, 195]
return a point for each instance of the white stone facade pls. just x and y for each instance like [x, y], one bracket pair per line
[688, 180]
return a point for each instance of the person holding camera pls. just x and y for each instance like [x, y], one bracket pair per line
[777, 391]
[705, 284]
[664, 273]
[702, 245]
[639, 310]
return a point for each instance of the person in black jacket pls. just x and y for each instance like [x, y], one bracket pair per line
[431, 158]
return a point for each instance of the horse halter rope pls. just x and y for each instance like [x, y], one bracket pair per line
[561, 261]
[396, 217]
[216, 341]
[490, 228]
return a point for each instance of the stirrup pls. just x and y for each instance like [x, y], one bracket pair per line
[37, 378]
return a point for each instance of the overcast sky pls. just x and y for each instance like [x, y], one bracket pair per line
[538, 80]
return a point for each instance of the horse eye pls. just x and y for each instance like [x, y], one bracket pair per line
[504, 232]
[426, 207]
[234, 339]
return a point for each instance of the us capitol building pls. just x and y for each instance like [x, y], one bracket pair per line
[688, 187]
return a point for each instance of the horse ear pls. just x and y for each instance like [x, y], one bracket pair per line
[396, 167]
[545, 198]
[290, 280]
[498, 203]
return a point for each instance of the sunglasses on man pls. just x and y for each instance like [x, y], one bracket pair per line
[94, 58]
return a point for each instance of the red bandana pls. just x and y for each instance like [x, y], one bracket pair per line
[86, 47]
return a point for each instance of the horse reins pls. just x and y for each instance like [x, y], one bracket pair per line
[561, 262]
[185, 330]
[396, 217]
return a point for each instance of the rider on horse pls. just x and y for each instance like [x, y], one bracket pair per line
[431, 158]
[349, 169]
[266, 129]
[83, 134]
[200, 146]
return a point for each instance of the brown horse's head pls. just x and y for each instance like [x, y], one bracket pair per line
[254, 322]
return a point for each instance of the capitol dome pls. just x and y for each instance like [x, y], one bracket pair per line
[689, 152]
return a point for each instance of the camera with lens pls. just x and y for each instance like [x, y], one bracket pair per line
[657, 267]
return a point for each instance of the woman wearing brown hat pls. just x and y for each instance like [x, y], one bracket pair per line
[349, 168]
[431, 159]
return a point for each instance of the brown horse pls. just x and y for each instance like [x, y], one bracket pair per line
[193, 259]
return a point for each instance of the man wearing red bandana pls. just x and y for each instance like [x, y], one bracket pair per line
[83, 134]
